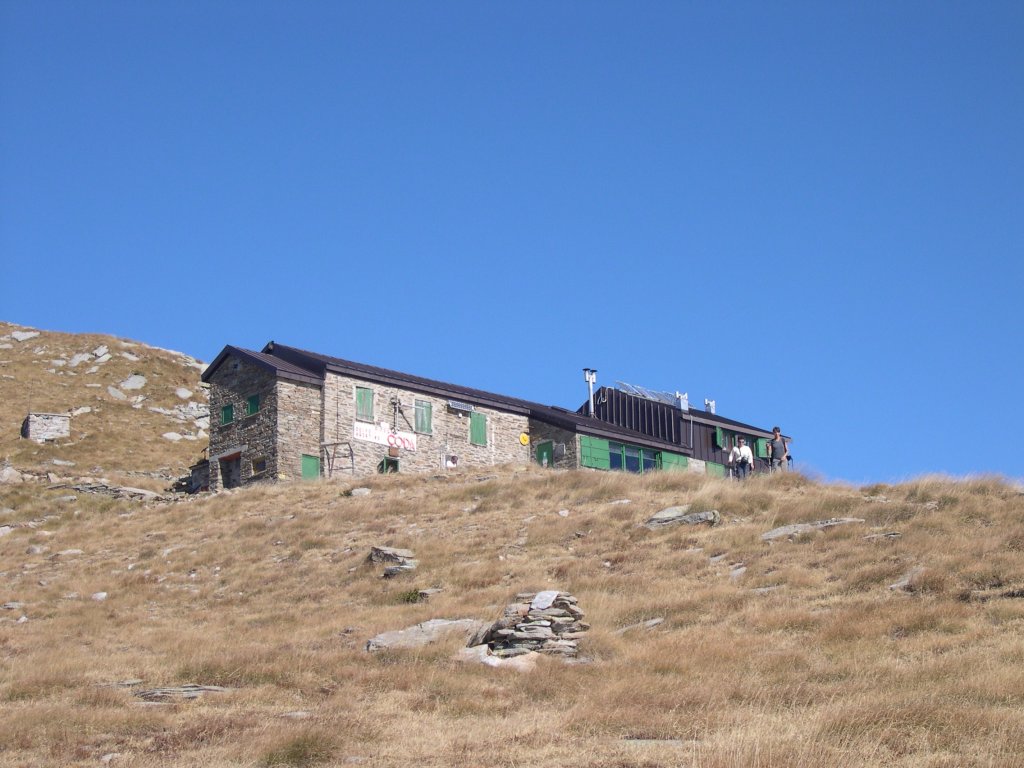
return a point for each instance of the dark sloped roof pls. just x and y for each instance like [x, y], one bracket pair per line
[281, 368]
[317, 362]
[703, 417]
[548, 414]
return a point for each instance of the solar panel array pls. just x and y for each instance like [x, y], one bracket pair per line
[648, 394]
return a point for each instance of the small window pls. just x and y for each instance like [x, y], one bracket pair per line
[424, 414]
[615, 455]
[364, 404]
[478, 428]
[252, 405]
[227, 414]
[259, 466]
[387, 465]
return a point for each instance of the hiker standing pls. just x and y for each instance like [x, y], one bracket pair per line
[778, 451]
[741, 458]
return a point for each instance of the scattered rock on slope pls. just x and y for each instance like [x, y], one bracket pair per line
[788, 531]
[396, 561]
[683, 516]
[420, 634]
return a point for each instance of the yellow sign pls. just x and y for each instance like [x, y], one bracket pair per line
[524, 439]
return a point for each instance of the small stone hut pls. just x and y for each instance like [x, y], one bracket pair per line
[42, 427]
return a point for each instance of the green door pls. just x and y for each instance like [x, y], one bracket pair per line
[310, 467]
[546, 454]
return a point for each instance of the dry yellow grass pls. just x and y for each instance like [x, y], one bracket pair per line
[115, 440]
[805, 659]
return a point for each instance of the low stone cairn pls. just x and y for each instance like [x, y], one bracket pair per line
[547, 622]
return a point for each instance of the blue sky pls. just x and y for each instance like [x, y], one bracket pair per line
[812, 213]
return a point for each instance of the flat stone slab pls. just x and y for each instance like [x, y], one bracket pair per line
[524, 662]
[187, 691]
[649, 624]
[421, 634]
[135, 381]
[683, 516]
[788, 531]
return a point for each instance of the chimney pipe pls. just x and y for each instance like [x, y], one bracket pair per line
[591, 376]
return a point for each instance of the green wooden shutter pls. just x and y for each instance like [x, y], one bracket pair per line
[594, 453]
[424, 413]
[714, 469]
[720, 438]
[762, 448]
[310, 467]
[364, 404]
[252, 405]
[227, 414]
[478, 428]
[673, 461]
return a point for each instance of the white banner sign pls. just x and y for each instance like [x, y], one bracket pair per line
[382, 435]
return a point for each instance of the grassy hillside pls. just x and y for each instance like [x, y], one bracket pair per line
[794, 652]
[115, 433]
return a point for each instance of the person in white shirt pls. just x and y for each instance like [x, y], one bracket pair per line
[741, 458]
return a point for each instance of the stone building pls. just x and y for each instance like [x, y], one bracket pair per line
[42, 427]
[286, 413]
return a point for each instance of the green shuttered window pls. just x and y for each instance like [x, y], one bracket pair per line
[594, 453]
[252, 405]
[761, 451]
[424, 416]
[478, 428]
[364, 404]
[673, 461]
[227, 414]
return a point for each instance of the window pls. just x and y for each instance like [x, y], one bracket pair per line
[477, 428]
[259, 465]
[632, 458]
[387, 465]
[252, 405]
[227, 414]
[614, 455]
[424, 414]
[364, 404]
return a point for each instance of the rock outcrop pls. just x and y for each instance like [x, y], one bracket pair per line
[789, 531]
[683, 516]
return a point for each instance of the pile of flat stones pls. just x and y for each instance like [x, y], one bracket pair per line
[548, 622]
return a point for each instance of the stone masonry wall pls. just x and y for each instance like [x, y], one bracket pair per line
[449, 435]
[298, 427]
[46, 426]
[233, 383]
[541, 433]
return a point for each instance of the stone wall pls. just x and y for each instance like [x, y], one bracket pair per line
[449, 435]
[46, 426]
[232, 384]
[541, 433]
[298, 427]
